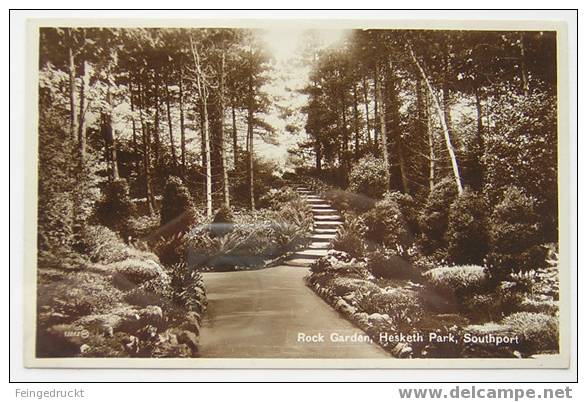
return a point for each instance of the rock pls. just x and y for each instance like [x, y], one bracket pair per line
[152, 315]
[402, 350]
[147, 333]
[84, 349]
[377, 317]
[192, 322]
[190, 339]
[131, 344]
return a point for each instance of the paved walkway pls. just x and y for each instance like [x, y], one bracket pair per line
[272, 313]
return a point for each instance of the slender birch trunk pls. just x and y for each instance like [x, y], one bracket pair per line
[382, 128]
[225, 182]
[443, 124]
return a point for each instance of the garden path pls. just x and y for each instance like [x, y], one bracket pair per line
[265, 313]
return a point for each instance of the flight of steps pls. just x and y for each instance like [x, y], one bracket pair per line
[326, 223]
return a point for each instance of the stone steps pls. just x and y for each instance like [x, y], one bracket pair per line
[335, 218]
[327, 220]
[324, 211]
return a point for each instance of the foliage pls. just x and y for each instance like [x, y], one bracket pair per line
[467, 229]
[102, 245]
[383, 263]
[453, 283]
[368, 177]
[275, 197]
[522, 151]
[514, 235]
[115, 209]
[187, 288]
[349, 237]
[176, 200]
[539, 330]
[387, 226]
[402, 306]
[434, 217]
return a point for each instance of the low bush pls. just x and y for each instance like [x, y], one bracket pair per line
[383, 263]
[434, 217]
[453, 283]
[340, 263]
[493, 305]
[466, 234]
[276, 197]
[402, 306]
[127, 274]
[102, 245]
[514, 235]
[368, 177]
[350, 237]
[142, 226]
[540, 331]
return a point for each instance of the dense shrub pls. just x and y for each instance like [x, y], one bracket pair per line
[176, 200]
[453, 283]
[408, 207]
[467, 229]
[386, 225]
[522, 150]
[141, 226]
[504, 299]
[402, 306]
[129, 273]
[104, 246]
[115, 209]
[254, 237]
[187, 288]
[540, 331]
[349, 237]
[276, 197]
[514, 235]
[368, 177]
[384, 263]
[434, 217]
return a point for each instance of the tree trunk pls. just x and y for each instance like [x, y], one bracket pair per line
[110, 138]
[81, 133]
[376, 108]
[226, 188]
[234, 136]
[203, 156]
[72, 89]
[366, 101]
[356, 122]
[382, 128]
[170, 125]
[156, 137]
[392, 117]
[250, 130]
[318, 152]
[182, 122]
[430, 132]
[523, 68]
[441, 117]
[134, 127]
[480, 127]
[206, 134]
[150, 199]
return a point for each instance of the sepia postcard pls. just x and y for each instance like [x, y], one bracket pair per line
[297, 194]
